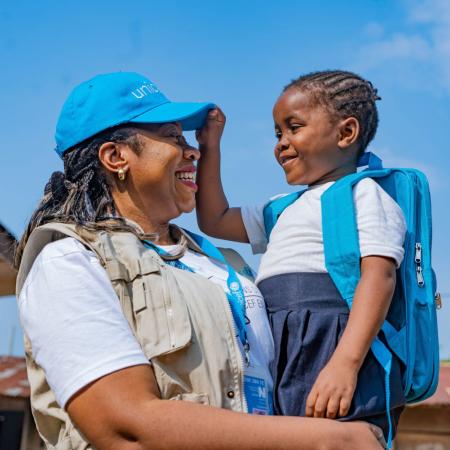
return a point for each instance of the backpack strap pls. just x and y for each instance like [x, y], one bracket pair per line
[342, 254]
[340, 234]
[273, 210]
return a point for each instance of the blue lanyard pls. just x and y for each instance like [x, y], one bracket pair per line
[235, 293]
[170, 262]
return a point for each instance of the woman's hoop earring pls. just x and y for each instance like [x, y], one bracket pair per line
[121, 174]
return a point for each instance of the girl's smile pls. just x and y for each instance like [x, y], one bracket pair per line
[309, 148]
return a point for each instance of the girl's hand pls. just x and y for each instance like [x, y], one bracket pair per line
[209, 135]
[332, 393]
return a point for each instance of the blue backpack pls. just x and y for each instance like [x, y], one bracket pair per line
[411, 326]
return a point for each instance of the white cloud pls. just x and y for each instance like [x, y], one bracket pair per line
[398, 47]
[420, 57]
[374, 30]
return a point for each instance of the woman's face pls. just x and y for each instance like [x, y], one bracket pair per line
[161, 176]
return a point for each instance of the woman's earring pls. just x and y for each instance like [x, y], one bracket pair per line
[121, 174]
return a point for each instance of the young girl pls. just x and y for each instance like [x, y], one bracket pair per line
[323, 368]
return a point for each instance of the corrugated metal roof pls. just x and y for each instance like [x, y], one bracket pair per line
[13, 377]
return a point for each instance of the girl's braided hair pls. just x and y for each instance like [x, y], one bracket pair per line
[81, 195]
[344, 94]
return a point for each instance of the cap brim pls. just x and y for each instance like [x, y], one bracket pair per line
[191, 116]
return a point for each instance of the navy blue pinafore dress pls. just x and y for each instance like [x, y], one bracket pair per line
[308, 316]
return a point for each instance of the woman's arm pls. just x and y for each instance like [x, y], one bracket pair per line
[215, 217]
[123, 411]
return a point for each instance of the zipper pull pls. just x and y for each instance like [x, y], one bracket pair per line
[438, 300]
[419, 275]
[418, 256]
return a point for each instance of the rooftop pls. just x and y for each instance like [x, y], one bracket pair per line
[13, 377]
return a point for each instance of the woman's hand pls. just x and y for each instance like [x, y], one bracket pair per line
[332, 393]
[209, 135]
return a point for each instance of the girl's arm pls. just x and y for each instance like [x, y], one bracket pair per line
[215, 217]
[123, 411]
[333, 390]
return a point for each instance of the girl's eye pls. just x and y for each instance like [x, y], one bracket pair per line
[295, 127]
[278, 135]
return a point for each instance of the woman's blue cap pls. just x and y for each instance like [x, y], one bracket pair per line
[118, 98]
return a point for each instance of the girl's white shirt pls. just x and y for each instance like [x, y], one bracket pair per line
[296, 241]
[72, 316]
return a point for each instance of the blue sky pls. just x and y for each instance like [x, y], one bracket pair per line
[238, 55]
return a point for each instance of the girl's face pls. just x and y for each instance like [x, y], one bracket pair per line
[308, 147]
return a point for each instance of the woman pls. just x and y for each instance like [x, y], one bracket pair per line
[101, 372]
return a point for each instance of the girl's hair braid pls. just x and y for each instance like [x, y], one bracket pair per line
[81, 194]
[344, 94]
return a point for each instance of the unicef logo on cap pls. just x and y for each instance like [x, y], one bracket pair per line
[234, 286]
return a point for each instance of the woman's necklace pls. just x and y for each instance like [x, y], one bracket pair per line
[178, 249]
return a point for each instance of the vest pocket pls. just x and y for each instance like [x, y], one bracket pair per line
[161, 315]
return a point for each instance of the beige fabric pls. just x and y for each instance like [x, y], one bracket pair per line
[182, 321]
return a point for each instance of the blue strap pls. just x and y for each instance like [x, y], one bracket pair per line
[371, 160]
[235, 294]
[272, 211]
[384, 357]
[342, 254]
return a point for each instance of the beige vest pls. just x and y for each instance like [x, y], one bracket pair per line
[181, 320]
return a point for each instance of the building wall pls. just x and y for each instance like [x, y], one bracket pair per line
[424, 428]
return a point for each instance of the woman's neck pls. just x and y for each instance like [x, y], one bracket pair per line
[163, 236]
[159, 227]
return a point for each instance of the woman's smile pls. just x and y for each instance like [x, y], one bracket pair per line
[186, 176]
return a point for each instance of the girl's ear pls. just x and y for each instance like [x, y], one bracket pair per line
[348, 132]
[113, 157]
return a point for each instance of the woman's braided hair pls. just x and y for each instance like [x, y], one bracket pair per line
[344, 94]
[81, 194]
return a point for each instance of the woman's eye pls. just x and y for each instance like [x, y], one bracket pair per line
[181, 140]
[174, 135]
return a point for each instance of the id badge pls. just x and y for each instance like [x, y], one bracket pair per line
[257, 392]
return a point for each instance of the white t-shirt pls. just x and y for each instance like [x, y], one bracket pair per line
[78, 333]
[296, 241]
